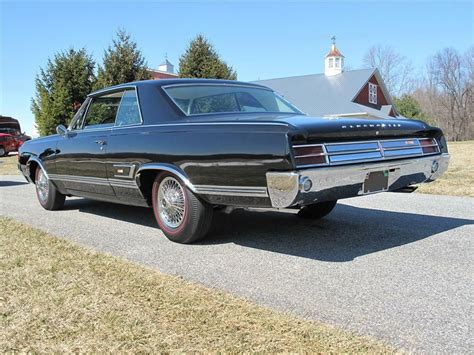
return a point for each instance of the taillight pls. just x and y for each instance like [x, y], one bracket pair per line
[309, 155]
[429, 145]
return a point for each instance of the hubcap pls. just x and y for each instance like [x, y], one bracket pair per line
[171, 202]
[2, 152]
[42, 186]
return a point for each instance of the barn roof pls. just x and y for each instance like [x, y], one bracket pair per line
[321, 95]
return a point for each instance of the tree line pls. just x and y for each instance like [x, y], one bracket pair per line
[70, 75]
[442, 95]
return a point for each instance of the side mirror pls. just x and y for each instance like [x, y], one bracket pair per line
[62, 131]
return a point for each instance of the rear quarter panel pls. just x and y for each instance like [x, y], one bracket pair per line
[209, 154]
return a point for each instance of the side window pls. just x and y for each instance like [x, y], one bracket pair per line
[76, 121]
[128, 112]
[102, 111]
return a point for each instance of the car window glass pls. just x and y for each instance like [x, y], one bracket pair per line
[102, 111]
[76, 121]
[215, 103]
[128, 112]
[203, 99]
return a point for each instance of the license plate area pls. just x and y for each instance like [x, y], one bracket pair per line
[375, 181]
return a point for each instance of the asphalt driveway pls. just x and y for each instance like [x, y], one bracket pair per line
[394, 266]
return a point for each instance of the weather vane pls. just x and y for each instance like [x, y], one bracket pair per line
[333, 39]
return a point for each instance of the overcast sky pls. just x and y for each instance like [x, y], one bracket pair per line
[260, 40]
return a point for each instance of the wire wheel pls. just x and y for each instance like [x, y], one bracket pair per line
[42, 186]
[171, 202]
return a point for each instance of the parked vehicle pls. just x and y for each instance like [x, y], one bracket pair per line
[186, 147]
[11, 126]
[7, 144]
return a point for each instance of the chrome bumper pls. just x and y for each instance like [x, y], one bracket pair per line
[330, 183]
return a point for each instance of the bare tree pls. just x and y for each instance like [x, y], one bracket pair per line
[448, 92]
[396, 70]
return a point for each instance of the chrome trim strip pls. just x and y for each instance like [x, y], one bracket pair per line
[114, 128]
[111, 90]
[38, 161]
[80, 179]
[165, 167]
[249, 191]
[94, 180]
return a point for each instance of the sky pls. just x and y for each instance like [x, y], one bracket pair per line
[259, 39]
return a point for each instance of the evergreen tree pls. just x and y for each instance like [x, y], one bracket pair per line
[64, 83]
[123, 62]
[202, 61]
[407, 106]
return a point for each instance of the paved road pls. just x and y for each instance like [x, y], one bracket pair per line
[395, 266]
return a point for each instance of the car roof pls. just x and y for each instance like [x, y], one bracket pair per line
[166, 82]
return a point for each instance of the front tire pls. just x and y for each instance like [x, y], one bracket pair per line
[3, 152]
[181, 215]
[48, 195]
[317, 210]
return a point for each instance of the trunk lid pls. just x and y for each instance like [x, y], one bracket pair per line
[316, 129]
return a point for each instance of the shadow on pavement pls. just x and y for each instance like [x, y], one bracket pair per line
[6, 183]
[347, 233]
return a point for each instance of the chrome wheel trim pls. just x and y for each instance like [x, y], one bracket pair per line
[42, 186]
[171, 202]
[2, 151]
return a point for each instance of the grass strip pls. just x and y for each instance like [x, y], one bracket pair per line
[60, 297]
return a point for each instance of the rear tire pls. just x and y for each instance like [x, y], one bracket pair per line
[48, 195]
[181, 215]
[317, 210]
[2, 151]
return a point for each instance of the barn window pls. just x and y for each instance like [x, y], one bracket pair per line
[338, 62]
[372, 94]
[331, 62]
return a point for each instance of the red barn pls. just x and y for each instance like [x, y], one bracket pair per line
[165, 71]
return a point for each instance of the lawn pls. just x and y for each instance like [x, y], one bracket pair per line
[8, 165]
[60, 297]
[458, 180]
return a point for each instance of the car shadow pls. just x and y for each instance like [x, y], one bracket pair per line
[347, 233]
[7, 183]
[132, 214]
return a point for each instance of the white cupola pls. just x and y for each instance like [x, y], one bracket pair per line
[166, 66]
[334, 60]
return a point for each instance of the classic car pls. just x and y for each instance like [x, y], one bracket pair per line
[187, 147]
[7, 144]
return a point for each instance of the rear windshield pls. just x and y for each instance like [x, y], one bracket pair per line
[205, 99]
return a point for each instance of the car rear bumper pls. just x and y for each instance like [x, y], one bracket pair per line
[331, 183]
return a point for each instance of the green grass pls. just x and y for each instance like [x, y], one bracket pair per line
[459, 179]
[8, 165]
[59, 297]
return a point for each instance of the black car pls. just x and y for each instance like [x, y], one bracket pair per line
[189, 146]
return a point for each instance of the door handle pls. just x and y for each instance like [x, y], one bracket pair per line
[101, 143]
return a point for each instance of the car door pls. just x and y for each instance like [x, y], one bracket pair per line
[125, 144]
[82, 153]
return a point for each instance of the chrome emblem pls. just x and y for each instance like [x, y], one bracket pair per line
[377, 125]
